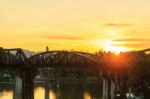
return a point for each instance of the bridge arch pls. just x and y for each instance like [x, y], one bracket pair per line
[70, 59]
[147, 52]
[11, 57]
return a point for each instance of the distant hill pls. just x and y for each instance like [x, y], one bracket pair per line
[29, 53]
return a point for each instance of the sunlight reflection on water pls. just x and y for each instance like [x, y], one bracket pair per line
[87, 96]
[39, 93]
[64, 91]
[6, 95]
[52, 95]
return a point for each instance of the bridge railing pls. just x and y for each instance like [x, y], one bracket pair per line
[59, 58]
[11, 57]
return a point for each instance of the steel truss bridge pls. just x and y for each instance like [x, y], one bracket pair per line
[26, 67]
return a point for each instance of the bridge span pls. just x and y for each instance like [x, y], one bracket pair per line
[26, 68]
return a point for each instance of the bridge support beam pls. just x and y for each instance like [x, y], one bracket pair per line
[47, 90]
[105, 89]
[113, 89]
[24, 86]
[18, 88]
[28, 84]
[109, 88]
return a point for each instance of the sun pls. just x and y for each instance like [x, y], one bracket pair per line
[108, 46]
[117, 50]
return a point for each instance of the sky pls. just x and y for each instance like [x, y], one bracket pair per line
[84, 25]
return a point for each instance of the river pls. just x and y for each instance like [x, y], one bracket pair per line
[58, 90]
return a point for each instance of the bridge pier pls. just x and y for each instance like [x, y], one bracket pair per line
[46, 93]
[106, 89]
[109, 87]
[47, 90]
[113, 89]
[18, 88]
[28, 85]
[24, 86]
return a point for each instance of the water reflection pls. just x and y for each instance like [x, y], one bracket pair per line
[87, 96]
[6, 95]
[6, 90]
[39, 93]
[53, 95]
[52, 90]
[69, 91]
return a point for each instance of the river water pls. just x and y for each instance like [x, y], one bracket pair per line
[58, 90]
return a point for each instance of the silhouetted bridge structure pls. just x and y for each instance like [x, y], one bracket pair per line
[26, 67]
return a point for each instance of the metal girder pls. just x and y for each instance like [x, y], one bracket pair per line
[11, 57]
[145, 50]
[59, 59]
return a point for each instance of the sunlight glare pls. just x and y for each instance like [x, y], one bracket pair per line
[109, 47]
[39, 93]
[52, 95]
[6, 95]
[87, 95]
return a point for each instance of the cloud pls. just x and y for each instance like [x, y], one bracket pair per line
[133, 43]
[117, 25]
[137, 45]
[133, 40]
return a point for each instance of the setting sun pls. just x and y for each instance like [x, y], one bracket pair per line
[108, 46]
[116, 49]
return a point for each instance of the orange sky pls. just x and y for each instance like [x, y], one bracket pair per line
[86, 25]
